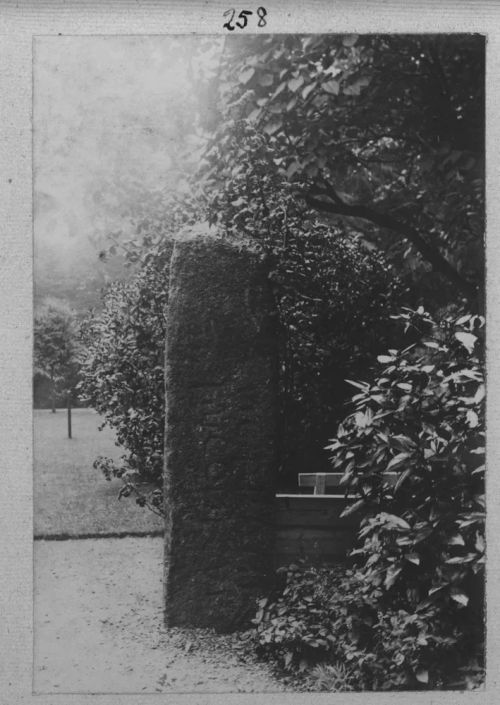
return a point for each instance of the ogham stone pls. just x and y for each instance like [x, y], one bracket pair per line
[221, 433]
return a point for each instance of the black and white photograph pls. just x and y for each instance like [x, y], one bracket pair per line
[259, 362]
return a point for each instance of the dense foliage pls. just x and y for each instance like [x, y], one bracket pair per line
[423, 418]
[411, 610]
[334, 301]
[384, 133]
[56, 350]
[304, 131]
[124, 344]
[334, 298]
[334, 294]
[123, 375]
[334, 618]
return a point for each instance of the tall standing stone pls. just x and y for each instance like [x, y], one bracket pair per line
[221, 417]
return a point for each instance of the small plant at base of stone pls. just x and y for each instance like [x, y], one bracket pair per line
[331, 677]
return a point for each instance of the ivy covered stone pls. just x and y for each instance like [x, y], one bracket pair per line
[221, 431]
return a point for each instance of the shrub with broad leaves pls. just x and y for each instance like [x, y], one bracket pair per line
[423, 420]
[408, 613]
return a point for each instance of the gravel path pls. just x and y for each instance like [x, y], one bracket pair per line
[99, 629]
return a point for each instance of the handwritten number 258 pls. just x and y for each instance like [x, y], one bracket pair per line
[261, 13]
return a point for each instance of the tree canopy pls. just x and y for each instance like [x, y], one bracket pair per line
[383, 132]
[56, 348]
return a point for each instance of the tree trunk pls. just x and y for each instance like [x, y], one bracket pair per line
[69, 415]
[53, 397]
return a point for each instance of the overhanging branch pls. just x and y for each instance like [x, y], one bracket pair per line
[337, 206]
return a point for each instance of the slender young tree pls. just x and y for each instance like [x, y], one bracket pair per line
[56, 349]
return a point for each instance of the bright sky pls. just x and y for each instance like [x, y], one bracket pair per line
[105, 114]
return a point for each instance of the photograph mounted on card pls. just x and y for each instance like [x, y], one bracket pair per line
[259, 361]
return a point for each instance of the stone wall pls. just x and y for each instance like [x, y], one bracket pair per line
[221, 418]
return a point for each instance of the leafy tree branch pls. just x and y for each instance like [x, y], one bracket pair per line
[337, 206]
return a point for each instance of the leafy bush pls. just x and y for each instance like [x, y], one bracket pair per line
[296, 628]
[333, 618]
[409, 612]
[422, 418]
[123, 375]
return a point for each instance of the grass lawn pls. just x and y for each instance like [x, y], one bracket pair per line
[70, 497]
